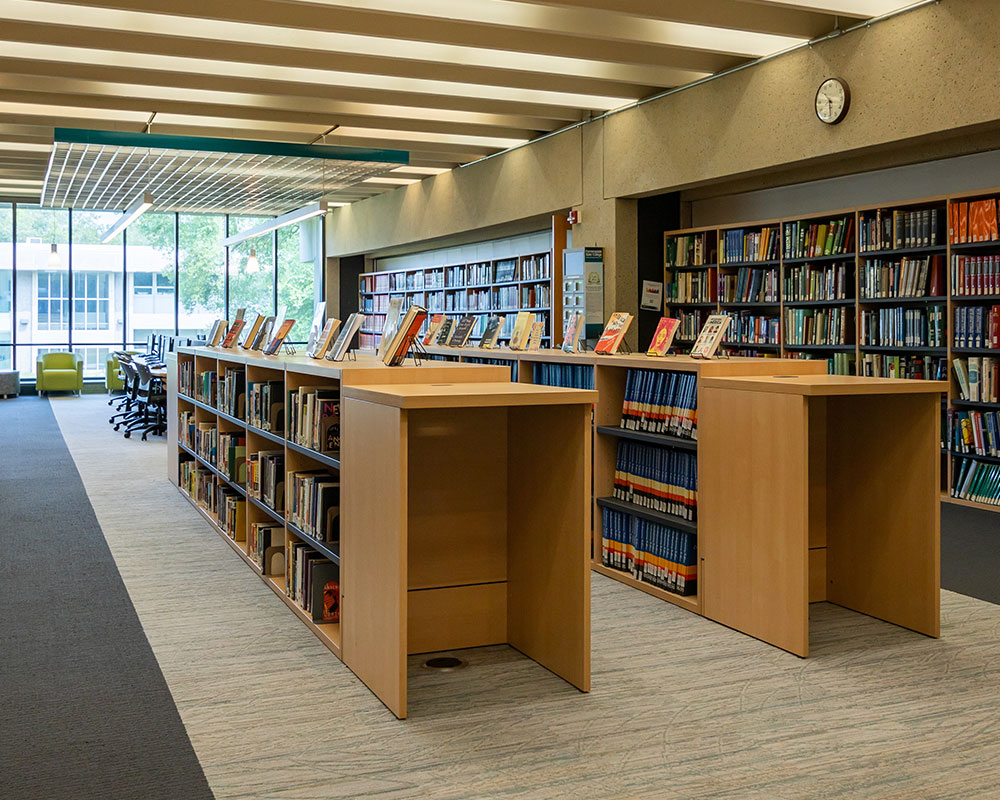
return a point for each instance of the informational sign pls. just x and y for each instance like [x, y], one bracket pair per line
[593, 270]
[652, 295]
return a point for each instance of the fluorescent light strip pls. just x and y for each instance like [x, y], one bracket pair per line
[142, 204]
[421, 136]
[306, 212]
[393, 181]
[423, 170]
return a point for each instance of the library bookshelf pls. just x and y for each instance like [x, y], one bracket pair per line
[500, 286]
[203, 478]
[608, 376]
[842, 304]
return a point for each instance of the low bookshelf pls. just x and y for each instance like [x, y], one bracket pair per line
[230, 406]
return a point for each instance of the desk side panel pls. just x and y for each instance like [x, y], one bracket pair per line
[373, 548]
[548, 561]
[883, 519]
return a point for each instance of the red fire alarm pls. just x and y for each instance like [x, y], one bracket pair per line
[574, 217]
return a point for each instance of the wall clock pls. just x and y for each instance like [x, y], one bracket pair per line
[833, 98]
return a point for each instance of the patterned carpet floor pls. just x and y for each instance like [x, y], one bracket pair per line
[680, 708]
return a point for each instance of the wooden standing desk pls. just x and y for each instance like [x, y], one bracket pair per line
[834, 489]
[475, 501]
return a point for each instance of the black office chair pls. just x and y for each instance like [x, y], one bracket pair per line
[126, 402]
[152, 401]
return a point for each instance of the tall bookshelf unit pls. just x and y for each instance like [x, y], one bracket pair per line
[891, 324]
[502, 286]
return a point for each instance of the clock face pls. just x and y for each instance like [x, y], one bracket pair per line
[832, 100]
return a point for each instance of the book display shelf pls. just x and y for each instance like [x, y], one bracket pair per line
[647, 501]
[285, 458]
[501, 286]
[897, 291]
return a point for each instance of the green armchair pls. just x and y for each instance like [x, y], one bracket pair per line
[59, 372]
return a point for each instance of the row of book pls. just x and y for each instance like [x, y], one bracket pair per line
[233, 393]
[266, 405]
[661, 401]
[978, 379]
[897, 229]
[898, 326]
[511, 364]
[880, 365]
[689, 250]
[232, 513]
[478, 274]
[186, 423]
[816, 326]
[232, 462]
[836, 363]
[974, 432]
[973, 221]
[538, 267]
[206, 441]
[568, 376]
[537, 295]
[652, 553]
[907, 277]
[266, 547]
[811, 239]
[976, 481]
[691, 322]
[975, 275]
[746, 327]
[312, 582]
[750, 245]
[185, 377]
[691, 287]
[809, 283]
[266, 478]
[750, 286]
[658, 478]
[200, 485]
[314, 504]
[314, 418]
[977, 326]
[205, 386]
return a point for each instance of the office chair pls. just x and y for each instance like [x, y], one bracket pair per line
[152, 402]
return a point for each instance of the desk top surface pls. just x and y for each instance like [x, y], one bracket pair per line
[467, 395]
[825, 385]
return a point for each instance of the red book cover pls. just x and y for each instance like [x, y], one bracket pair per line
[952, 227]
[234, 333]
[963, 222]
[937, 270]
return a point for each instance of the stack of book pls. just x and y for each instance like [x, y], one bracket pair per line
[751, 286]
[314, 418]
[314, 504]
[185, 378]
[747, 327]
[878, 365]
[264, 540]
[658, 478]
[569, 376]
[975, 432]
[975, 275]
[266, 478]
[233, 456]
[976, 481]
[813, 239]
[897, 229]
[206, 441]
[816, 326]
[903, 327]
[978, 379]
[205, 387]
[232, 513]
[690, 250]
[908, 277]
[185, 428]
[691, 287]
[977, 326]
[661, 401]
[656, 554]
[312, 581]
[809, 283]
[266, 406]
[974, 221]
[754, 245]
[232, 393]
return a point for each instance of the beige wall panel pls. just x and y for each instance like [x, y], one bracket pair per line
[532, 180]
[915, 75]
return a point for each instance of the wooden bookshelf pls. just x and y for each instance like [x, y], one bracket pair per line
[291, 372]
[861, 357]
[523, 282]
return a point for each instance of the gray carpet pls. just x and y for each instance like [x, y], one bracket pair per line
[86, 711]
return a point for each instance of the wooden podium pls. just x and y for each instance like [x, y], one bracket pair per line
[833, 484]
[473, 509]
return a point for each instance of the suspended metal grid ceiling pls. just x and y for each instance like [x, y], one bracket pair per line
[107, 170]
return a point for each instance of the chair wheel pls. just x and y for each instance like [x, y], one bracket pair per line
[128, 434]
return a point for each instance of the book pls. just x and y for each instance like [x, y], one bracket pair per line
[347, 333]
[663, 337]
[650, 552]
[406, 333]
[711, 335]
[463, 330]
[251, 331]
[492, 332]
[279, 337]
[316, 328]
[522, 330]
[325, 592]
[571, 335]
[323, 341]
[444, 332]
[241, 313]
[614, 333]
[535, 337]
[391, 323]
[263, 333]
[233, 333]
[433, 327]
[506, 270]
[218, 331]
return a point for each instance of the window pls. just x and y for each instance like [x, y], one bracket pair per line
[150, 253]
[201, 274]
[53, 301]
[6, 286]
[91, 301]
[94, 360]
[251, 286]
[299, 282]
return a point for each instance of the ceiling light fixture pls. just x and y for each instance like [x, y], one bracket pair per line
[142, 204]
[55, 262]
[252, 265]
[299, 214]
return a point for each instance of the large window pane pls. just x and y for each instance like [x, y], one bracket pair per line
[95, 358]
[42, 316]
[299, 254]
[149, 282]
[251, 286]
[201, 273]
[98, 275]
[6, 284]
